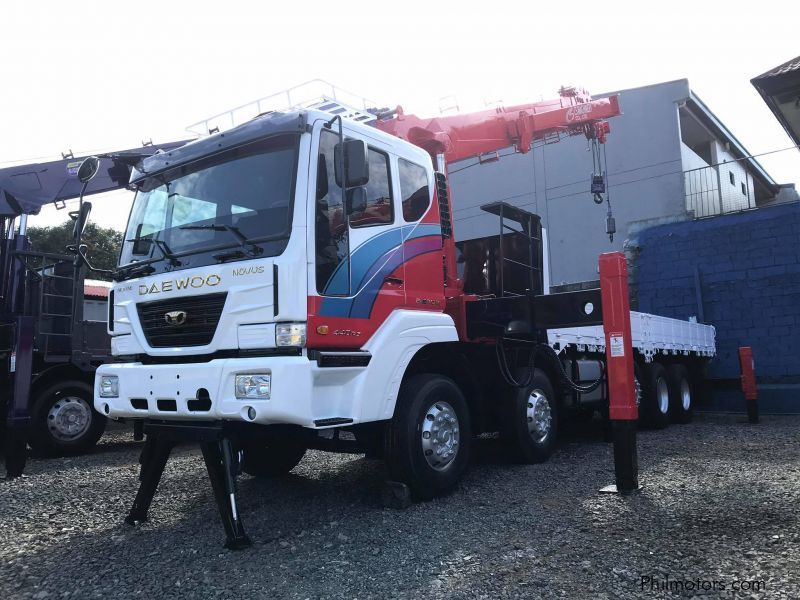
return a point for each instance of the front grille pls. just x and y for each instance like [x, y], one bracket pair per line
[202, 316]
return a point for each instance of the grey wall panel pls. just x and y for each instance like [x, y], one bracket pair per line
[644, 164]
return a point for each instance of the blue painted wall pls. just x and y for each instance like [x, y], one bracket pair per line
[749, 266]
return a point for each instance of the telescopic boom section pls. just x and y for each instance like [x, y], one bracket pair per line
[474, 134]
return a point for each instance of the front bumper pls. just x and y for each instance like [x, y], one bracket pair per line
[140, 385]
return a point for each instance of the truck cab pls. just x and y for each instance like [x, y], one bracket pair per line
[254, 287]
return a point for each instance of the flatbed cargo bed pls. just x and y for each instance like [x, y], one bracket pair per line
[652, 334]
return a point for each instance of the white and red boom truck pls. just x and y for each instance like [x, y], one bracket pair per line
[294, 283]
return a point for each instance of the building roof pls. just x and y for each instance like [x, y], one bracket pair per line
[94, 288]
[725, 135]
[710, 120]
[787, 67]
[780, 89]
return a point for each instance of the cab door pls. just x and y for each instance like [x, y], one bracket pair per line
[358, 257]
[422, 237]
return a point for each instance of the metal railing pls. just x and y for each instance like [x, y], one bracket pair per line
[709, 191]
[316, 93]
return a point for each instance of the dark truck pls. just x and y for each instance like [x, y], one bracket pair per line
[50, 298]
[51, 338]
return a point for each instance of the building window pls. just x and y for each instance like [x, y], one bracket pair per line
[732, 178]
[744, 189]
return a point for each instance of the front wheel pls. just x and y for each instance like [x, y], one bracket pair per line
[63, 420]
[529, 420]
[428, 440]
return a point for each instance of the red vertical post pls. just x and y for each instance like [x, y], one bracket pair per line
[747, 367]
[623, 411]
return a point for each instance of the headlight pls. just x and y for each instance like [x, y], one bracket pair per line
[255, 386]
[109, 386]
[290, 334]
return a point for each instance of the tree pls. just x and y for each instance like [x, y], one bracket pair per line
[103, 243]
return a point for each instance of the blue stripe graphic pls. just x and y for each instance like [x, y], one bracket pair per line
[370, 263]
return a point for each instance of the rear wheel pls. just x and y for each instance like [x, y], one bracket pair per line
[529, 421]
[63, 420]
[656, 397]
[428, 440]
[271, 459]
[680, 393]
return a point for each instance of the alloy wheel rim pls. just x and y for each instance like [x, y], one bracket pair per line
[539, 416]
[686, 395]
[440, 436]
[662, 395]
[69, 418]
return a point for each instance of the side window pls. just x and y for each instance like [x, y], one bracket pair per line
[414, 189]
[330, 231]
[379, 209]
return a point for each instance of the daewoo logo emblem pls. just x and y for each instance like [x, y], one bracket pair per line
[175, 317]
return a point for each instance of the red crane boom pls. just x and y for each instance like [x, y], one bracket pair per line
[474, 134]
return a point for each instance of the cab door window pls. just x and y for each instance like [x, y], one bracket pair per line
[416, 195]
[331, 236]
[379, 209]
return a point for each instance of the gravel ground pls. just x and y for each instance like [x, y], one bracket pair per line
[720, 503]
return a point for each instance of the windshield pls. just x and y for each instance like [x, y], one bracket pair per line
[235, 199]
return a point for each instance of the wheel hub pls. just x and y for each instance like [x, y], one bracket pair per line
[662, 393]
[686, 395]
[440, 436]
[540, 418]
[69, 418]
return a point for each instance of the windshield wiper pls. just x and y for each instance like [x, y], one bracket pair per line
[162, 247]
[132, 270]
[249, 247]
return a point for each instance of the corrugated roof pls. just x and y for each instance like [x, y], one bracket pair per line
[787, 67]
[94, 288]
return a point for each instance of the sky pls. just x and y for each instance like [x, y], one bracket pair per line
[106, 75]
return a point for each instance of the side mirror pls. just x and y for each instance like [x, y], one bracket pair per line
[356, 163]
[88, 169]
[356, 201]
[81, 219]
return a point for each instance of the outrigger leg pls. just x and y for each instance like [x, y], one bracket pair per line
[222, 464]
[153, 460]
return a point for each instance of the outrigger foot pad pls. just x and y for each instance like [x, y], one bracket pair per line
[16, 452]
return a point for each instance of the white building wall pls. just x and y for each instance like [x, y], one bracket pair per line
[733, 196]
[701, 182]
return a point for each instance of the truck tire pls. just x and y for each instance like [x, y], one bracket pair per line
[655, 396]
[681, 394]
[529, 419]
[272, 459]
[429, 438]
[64, 421]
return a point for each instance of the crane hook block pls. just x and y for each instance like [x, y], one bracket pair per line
[598, 185]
